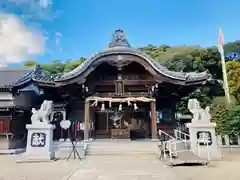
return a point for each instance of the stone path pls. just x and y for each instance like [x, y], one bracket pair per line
[136, 167]
[227, 168]
[105, 167]
[58, 170]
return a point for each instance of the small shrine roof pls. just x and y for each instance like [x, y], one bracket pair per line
[9, 76]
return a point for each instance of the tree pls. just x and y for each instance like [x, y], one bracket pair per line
[54, 67]
[70, 65]
[199, 94]
[30, 63]
[232, 122]
[233, 71]
[219, 114]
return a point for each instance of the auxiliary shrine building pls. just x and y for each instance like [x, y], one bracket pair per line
[119, 92]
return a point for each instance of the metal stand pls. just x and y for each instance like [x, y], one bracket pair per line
[74, 150]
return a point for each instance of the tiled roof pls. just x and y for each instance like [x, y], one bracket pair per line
[188, 77]
[11, 75]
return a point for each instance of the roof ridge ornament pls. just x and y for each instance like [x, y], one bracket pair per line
[119, 39]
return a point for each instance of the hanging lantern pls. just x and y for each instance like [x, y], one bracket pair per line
[135, 106]
[152, 88]
[110, 104]
[120, 107]
[103, 107]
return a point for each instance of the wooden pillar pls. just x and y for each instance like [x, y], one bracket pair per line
[154, 119]
[86, 120]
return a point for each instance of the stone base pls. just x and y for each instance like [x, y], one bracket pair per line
[214, 154]
[39, 149]
[192, 125]
[45, 157]
[209, 152]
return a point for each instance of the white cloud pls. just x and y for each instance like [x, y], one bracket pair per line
[31, 9]
[18, 42]
[45, 3]
[58, 38]
[41, 3]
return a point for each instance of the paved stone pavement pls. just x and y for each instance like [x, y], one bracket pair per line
[227, 168]
[58, 170]
[137, 167]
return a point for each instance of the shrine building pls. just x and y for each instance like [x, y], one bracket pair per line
[119, 92]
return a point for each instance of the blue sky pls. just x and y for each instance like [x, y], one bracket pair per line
[86, 25]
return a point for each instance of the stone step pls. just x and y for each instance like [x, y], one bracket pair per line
[121, 147]
[114, 151]
[120, 153]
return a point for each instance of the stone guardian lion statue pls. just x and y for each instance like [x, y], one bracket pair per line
[200, 115]
[43, 114]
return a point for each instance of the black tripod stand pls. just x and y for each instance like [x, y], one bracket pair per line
[74, 150]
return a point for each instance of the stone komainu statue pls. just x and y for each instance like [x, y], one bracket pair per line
[200, 115]
[43, 114]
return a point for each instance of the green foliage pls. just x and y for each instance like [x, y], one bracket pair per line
[30, 63]
[70, 65]
[56, 66]
[200, 94]
[219, 114]
[53, 67]
[228, 120]
[232, 47]
[232, 122]
[233, 71]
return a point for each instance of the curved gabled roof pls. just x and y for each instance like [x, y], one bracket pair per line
[120, 46]
[130, 51]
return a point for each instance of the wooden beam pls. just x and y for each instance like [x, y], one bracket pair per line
[154, 120]
[86, 120]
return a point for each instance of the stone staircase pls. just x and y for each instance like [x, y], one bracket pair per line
[122, 147]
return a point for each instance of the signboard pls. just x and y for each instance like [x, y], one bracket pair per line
[65, 124]
[38, 139]
[204, 138]
[233, 56]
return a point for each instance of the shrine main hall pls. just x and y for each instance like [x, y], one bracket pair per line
[118, 93]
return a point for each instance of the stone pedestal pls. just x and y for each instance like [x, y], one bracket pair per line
[39, 143]
[203, 134]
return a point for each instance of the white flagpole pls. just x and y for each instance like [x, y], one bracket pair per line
[224, 70]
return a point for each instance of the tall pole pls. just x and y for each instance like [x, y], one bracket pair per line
[225, 81]
[224, 70]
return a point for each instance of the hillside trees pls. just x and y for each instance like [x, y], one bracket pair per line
[56, 66]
